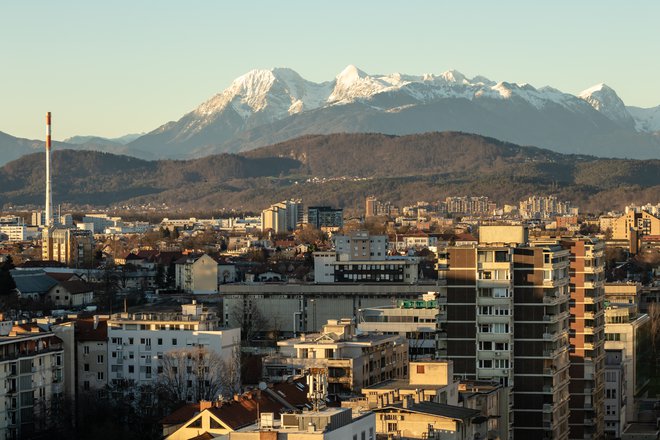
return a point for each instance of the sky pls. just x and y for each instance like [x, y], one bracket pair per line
[118, 67]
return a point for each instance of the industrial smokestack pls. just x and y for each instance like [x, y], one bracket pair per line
[49, 196]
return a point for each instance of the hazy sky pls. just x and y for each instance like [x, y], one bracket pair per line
[117, 67]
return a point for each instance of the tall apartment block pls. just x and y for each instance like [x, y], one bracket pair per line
[507, 320]
[587, 337]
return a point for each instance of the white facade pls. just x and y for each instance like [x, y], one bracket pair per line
[138, 342]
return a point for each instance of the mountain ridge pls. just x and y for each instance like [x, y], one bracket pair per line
[338, 169]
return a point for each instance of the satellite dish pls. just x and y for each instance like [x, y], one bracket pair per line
[262, 386]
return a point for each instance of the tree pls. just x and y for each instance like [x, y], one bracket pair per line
[249, 318]
[231, 373]
[191, 375]
[654, 314]
[7, 284]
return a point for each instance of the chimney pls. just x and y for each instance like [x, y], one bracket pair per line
[96, 321]
[49, 196]
[204, 404]
[407, 401]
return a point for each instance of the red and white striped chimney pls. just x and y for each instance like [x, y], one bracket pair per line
[49, 197]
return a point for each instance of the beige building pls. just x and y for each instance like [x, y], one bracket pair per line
[643, 222]
[353, 361]
[73, 247]
[623, 293]
[91, 354]
[628, 332]
[197, 274]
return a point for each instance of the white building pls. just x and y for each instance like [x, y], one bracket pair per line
[325, 424]
[138, 341]
[417, 321]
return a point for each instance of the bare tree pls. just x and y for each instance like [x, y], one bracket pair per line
[191, 375]
[230, 379]
[654, 314]
[249, 318]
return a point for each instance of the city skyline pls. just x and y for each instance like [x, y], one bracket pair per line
[110, 70]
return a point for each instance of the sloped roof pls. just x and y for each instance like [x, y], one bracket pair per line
[77, 286]
[181, 415]
[31, 282]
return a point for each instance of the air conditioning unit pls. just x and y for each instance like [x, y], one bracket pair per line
[497, 353]
[505, 371]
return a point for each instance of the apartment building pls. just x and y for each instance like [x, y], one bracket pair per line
[282, 217]
[628, 331]
[418, 321]
[322, 217]
[353, 361]
[587, 334]
[196, 273]
[507, 321]
[615, 403]
[31, 379]
[137, 342]
[73, 247]
[91, 354]
[362, 258]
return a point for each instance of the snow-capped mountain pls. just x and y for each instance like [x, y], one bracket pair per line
[646, 119]
[265, 106]
[605, 100]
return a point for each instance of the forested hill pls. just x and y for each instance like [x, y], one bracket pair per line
[340, 170]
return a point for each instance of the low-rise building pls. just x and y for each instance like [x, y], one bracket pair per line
[353, 361]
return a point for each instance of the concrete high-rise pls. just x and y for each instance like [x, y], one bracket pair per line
[507, 320]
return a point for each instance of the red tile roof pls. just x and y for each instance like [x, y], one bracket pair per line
[181, 415]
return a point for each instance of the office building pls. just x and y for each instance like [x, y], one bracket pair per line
[325, 217]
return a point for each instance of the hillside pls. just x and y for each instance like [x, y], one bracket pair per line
[339, 170]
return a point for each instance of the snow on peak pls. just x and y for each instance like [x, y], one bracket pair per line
[454, 76]
[605, 100]
[277, 93]
[350, 74]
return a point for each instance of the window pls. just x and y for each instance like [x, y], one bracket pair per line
[86, 367]
[99, 359]
[174, 342]
[160, 341]
[131, 369]
[100, 375]
[420, 369]
[130, 341]
[85, 349]
[86, 385]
